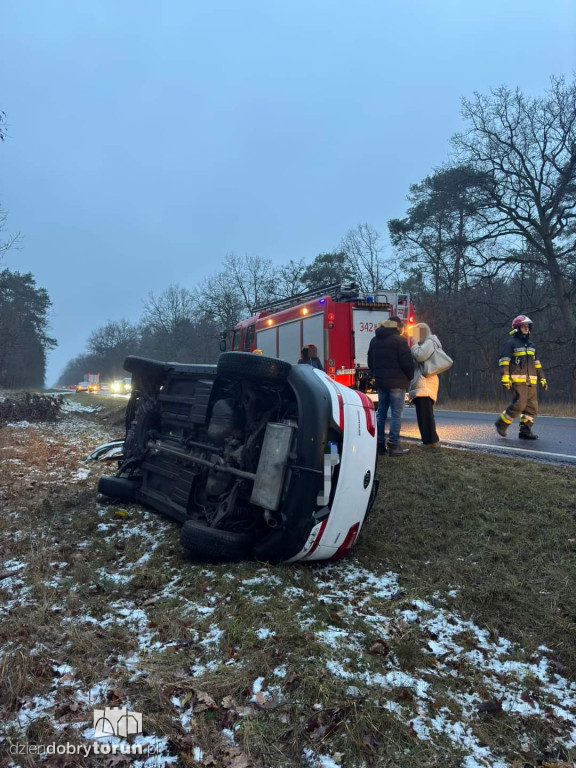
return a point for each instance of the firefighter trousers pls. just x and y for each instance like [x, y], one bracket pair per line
[524, 404]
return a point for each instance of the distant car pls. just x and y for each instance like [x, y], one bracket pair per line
[93, 387]
[254, 456]
[82, 386]
[121, 386]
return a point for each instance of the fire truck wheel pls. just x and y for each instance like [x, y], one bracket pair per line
[246, 365]
[203, 542]
[118, 487]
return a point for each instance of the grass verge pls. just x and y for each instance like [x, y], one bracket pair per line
[446, 640]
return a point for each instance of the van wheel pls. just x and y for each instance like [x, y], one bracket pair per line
[203, 542]
[146, 418]
[118, 487]
[246, 365]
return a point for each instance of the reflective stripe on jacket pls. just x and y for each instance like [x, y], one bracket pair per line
[519, 361]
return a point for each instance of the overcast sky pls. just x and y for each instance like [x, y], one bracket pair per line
[149, 139]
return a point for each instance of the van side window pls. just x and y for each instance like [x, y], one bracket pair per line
[249, 340]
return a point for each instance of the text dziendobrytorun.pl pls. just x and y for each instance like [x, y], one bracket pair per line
[83, 749]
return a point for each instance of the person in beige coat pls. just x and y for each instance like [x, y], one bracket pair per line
[423, 390]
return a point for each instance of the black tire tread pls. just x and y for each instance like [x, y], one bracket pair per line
[144, 413]
[214, 543]
[247, 365]
[118, 487]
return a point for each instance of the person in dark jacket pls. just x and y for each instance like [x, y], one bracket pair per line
[304, 357]
[521, 371]
[309, 356]
[392, 365]
[314, 359]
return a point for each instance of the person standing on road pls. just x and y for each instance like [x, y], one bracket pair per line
[423, 390]
[392, 366]
[520, 370]
[309, 356]
[314, 359]
[304, 356]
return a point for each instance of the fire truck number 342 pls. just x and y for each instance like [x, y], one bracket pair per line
[370, 327]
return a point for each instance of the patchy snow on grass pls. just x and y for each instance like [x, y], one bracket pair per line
[71, 406]
[453, 642]
[80, 474]
[311, 759]
[356, 619]
[212, 636]
[33, 709]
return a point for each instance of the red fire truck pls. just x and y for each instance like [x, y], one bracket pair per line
[335, 318]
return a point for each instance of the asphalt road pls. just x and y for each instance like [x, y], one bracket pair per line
[463, 429]
[467, 430]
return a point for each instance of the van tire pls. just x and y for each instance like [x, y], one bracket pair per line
[203, 542]
[247, 365]
[118, 487]
[145, 417]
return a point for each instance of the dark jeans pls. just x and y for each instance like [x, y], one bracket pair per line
[392, 399]
[426, 422]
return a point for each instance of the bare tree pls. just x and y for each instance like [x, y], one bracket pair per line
[118, 337]
[525, 150]
[290, 279]
[169, 309]
[364, 247]
[253, 276]
[10, 240]
[219, 299]
[243, 283]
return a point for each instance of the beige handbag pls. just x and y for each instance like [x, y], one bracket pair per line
[437, 363]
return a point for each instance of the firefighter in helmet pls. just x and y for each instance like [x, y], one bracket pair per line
[521, 371]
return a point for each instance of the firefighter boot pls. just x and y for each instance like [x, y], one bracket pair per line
[501, 426]
[525, 432]
[382, 449]
[394, 449]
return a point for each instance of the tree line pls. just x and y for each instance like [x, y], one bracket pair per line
[488, 235]
[184, 324]
[23, 338]
[492, 234]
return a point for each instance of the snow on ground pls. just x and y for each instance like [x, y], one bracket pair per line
[498, 674]
[366, 604]
[71, 406]
[453, 643]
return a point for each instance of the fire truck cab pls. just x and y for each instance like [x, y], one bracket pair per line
[336, 319]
